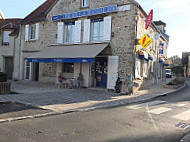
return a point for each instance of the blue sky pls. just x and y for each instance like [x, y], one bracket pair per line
[174, 13]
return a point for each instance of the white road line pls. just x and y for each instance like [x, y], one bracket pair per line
[159, 110]
[145, 104]
[183, 116]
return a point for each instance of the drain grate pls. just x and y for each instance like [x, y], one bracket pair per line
[183, 125]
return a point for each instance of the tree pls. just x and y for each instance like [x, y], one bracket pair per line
[178, 70]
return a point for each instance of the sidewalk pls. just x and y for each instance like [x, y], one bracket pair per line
[64, 100]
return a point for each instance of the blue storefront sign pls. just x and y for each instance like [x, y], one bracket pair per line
[62, 60]
[84, 13]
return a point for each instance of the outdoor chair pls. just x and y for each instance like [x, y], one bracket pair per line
[59, 84]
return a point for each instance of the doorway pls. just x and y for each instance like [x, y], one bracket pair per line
[101, 68]
[9, 67]
[35, 72]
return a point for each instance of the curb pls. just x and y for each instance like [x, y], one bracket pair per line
[121, 103]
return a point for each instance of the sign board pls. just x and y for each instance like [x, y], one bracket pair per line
[157, 36]
[101, 10]
[149, 19]
[145, 41]
[161, 50]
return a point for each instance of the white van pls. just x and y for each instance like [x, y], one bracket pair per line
[168, 73]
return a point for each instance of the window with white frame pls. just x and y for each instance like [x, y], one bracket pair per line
[32, 31]
[97, 29]
[84, 3]
[6, 38]
[69, 32]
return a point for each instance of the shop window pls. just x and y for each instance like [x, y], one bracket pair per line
[32, 32]
[6, 38]
[69, 32]
[97, 30]
[68, 67]
[85, 3]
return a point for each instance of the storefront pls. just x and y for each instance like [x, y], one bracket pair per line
[89, 59]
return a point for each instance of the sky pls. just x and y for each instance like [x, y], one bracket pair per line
[176, 14]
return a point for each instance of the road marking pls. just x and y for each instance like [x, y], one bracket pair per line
[183, 116]
[145, 104]
[183, 125]
[159, 110]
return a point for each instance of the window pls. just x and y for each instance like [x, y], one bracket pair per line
[97, 29]
[85, 3]
[68, 67]
[6, 38]
[69, 32]
[32, 32]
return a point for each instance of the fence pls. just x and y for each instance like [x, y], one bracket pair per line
[5, 87]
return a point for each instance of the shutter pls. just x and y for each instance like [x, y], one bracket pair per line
[60, 32]
[107, 28]
[26, 32]
[152, 66]
[37, 31]
[113, 62]
[137, 68]
[86, 37]
[77, 31]
[145, 69]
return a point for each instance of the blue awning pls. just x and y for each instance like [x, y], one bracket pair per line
[62, 60]
[81, 53]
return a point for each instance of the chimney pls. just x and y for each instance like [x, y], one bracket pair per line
[161, 25]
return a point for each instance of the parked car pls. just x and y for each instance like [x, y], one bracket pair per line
[168, 73]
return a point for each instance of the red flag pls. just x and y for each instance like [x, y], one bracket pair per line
[149, 19]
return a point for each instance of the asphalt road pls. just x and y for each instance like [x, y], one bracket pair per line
[164, 119]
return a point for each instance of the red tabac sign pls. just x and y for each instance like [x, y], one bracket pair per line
[149, 19]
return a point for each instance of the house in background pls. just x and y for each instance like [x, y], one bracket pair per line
[7, 44]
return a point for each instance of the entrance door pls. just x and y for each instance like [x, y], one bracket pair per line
[101, 72]
[9, 67]
[35, 71]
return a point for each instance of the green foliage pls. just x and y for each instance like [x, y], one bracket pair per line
[3, 77]
[176, 81]
[177, 70]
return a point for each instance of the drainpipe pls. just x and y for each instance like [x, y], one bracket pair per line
[14, 56]
[20, 36]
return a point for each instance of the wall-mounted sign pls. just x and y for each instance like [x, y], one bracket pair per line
[145, 41]
[84, 13]
[161, 50]
[149, 19]
[156, 36]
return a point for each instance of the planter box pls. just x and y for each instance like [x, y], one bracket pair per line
[5, 88]
[173, 86]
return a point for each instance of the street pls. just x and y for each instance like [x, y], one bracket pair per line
[159, 120]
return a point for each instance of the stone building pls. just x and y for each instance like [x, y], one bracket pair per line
[95, 38]
[8, 27]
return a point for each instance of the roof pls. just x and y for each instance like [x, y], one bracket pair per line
[40, 13]
[70, 51]
[9, 23]
[159, 23]
[164, 34]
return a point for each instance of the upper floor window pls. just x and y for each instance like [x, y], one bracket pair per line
[32, 31]
[69, 32]
[97, 30]
[6, 38]
[85, 3]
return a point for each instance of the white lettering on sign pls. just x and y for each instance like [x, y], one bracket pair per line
[124, 8]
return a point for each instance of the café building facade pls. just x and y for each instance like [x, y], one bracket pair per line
[95, 38]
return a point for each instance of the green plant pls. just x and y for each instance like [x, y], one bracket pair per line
[176, 81]
[3, 77]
